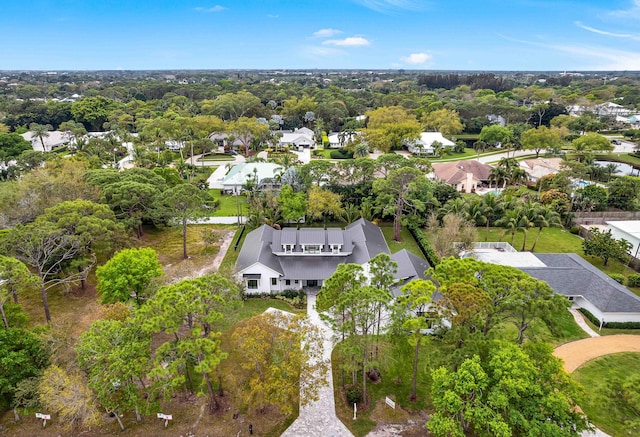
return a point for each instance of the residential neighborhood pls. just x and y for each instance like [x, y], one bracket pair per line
[319, 252]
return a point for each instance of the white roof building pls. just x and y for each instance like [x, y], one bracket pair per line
[424, 144]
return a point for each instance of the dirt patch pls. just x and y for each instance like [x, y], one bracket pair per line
[407, 424]
[577, 353]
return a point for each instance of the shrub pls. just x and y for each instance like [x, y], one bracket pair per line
[353, 395]
[341, 154]
[610, 325]
[618, 277]
[633, 280]
[424, 245]
[575, 230]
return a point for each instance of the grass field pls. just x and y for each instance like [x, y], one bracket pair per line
[228, 206]
[407, 241]
[602, 406]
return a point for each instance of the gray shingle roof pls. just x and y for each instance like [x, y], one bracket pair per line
[361, 241]
[571, 275]
[410, 266]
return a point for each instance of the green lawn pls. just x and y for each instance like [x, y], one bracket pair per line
[604, 409]
[552, 240]
[229, 261]
[407, 241]
[228, 206]
[217, 157]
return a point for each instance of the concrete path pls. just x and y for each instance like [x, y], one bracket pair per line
[579, 318]
[222, 220]
[215, 179]
[318, 419]
[577, 353]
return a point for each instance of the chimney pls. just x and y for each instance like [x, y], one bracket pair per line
[469, 184]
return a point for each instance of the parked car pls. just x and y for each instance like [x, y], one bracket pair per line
[616, 142]
[230, 152]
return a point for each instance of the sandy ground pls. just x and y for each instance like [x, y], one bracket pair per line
[577, 353]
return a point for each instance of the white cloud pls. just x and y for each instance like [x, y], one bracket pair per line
[352, 41]
[322, 51]
[595, 57]
[606, 33]
[416, 58]
[391, 5]
[216, 8]
[273, 15]
[632, 12]
[326, 33]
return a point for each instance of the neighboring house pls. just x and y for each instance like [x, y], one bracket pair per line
[540, 167]
[341, 139]
[272, 260]
[570, 275]
[302, 137]
[55, 139]
[603, 109]
[225, 141]
[465, 176]
[264, 174]
[424, 144]
[629, 230]
[496, 119]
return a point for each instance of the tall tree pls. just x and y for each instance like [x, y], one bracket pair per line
[189, 312]
[40, 131]
[323, 203]
[540, 138]
[49, 250]
[116, 357]
[511, 392]
[14, 277]
[389, 127]
[279, 368]
[416, 298]
[403, 191]
[445, 121]
[293, 205]
[186, 202]
[605, 246]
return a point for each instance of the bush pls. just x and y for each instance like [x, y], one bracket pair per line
[610, 325]
[633, 280]
[618, 277]
[575, 230]
[353, 395]
[341, 154]
[424, 245]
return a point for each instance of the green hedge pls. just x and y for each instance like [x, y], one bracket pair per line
[424, 244]
[610, 325]
[633, 280]
[341, 154]
[618, 277]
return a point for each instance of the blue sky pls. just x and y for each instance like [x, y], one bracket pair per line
[362, 34]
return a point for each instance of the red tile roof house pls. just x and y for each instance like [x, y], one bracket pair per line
[465, 176]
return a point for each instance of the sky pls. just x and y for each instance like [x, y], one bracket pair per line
[531, 35]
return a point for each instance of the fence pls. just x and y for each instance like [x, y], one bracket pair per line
[599, 218]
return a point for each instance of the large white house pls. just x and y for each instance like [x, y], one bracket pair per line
[262, 174]
[629, 230]
[272, 260]
[302, 137]
[424, 145]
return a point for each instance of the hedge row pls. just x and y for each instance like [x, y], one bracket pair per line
[341, 154]
[610, 325]
[424, 245]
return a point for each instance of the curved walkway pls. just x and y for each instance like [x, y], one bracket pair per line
[579, 318]
[577, 353]
[319, 418]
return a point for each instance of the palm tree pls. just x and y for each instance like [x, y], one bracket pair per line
[527, 220]
[40, 131]
[511, 223]
[475, 212]
[498, 175]
[491, 208]
[453, 206]
[545, 218]
[350, 213]
[611, 169]
[361, 151]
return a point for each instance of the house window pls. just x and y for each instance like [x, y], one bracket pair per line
[287, 282]
[297, 281]
[274, 281]
[312, 248]
[288, 248]
[252, 284]
[335, 249]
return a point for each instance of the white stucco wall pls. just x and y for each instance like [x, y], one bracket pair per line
[264, 283]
